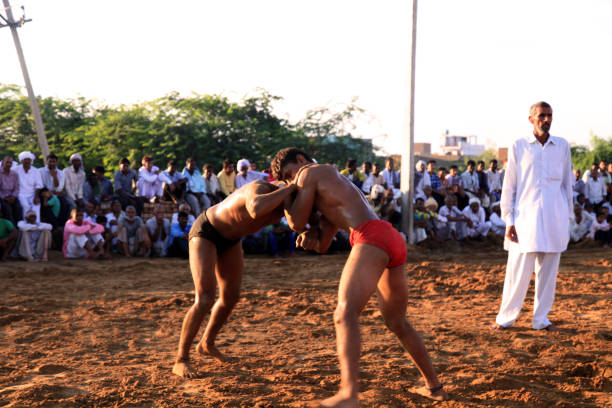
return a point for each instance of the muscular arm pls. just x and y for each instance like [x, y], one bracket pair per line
[258, 204]
[298, 214]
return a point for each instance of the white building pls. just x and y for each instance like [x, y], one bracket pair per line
[461, 145]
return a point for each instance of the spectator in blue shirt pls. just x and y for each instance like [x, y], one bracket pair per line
[178, 244]
[196, 188]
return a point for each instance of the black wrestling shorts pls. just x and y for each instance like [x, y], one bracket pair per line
[202, 228]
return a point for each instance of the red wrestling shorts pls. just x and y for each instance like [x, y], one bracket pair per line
[382, 235]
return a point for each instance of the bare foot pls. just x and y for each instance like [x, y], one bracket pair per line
[552, 328]
[340, 401]
[439, 394]
[496, 326]
[183, 368]
[211, 350]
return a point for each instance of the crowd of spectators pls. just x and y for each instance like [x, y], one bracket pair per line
[87, 216]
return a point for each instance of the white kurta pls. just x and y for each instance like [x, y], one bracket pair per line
[29, 182]
[537, 194]
[149, 183]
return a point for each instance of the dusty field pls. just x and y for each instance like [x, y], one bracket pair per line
[104, 334]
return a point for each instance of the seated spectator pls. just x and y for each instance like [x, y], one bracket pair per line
[174, 184]
[30, 183]
[186, 208]
[374, 178]
[442, 173]
[605, 176]
[494, 181]
[587, 209]
[159, 232]
[587, 174]
[213, 188]
[255, 244]
[608, 204]
[454, 185]
[388, 209]
[246, 175]
[419, 173]
[178, 244]
[125, 180]
[8, 237]
[595, 190]
[91, 189]
[455, 220]
[132, 235]
[112, 221]
[431, 180]
[150, 186]
[351, 173]
[498, 226]
[227, 178]
[82, 239]
[91, 212]
[74, 180]
[34, 238]
[600, 230]
[109, 237]
[431, 206]
[9, 192]
[477, 227]
[55, 181]
[105, 185]
[579, 226]
[50, 208]
[196, 190]
[392, 177]
[469, 179]
[366, 168]
[579, 185]
[423, 225]
[280, 238]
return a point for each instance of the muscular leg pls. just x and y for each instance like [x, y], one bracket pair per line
[392, 300]
[229, 276]
[357, 283]
[202, 259]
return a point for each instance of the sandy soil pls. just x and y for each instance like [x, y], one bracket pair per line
[104, 334]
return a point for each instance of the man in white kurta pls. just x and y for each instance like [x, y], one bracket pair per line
[30, 183]
[536, 205]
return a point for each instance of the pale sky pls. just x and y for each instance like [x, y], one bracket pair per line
[480, 63]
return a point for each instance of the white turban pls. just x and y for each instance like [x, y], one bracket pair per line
[242, 163]
[419, 164]
[75, 156]
[474, 200]
[26, 155]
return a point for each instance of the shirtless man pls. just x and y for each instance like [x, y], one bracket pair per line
[215, 256]
[374, 264]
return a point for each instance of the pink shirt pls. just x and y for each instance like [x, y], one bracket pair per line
[87, 227]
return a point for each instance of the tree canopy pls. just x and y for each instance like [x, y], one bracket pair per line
[209, 128]
[583, 156]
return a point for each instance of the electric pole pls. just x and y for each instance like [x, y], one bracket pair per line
[10, 22]
[407, 174]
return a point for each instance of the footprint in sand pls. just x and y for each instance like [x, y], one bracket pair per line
[50, 369]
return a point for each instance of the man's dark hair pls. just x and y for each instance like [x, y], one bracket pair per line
[431, 161]
[227, 162]
[207, 166]
[454, 166]
[493, 161]
[284, 157]
[43, 190]
[51, 156]
[124, 160]
[172, 163]
[101, 219]
[367, 163]
[147, 157]
[99, 169]
[183, 214]
[471, 163]
[442, 169]
[189, 160]
[481, 162]
[351, 163]
[389, 159]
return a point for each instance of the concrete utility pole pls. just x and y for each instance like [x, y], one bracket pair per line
[407, 173]
[10, 22]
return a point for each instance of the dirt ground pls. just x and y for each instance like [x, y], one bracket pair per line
[105, 333]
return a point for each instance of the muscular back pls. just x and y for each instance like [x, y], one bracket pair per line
[333, 195]
[232, 218]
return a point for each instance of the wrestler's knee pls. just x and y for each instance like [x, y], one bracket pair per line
[396, 322]
[229, 298]
[204, 301]
[344, 315]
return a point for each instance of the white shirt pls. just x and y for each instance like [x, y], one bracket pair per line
[579, 230]
[29, 181]
[497, 224]
[391, 177]
[494, 180]
[212, 184]
[148, 182]
[74, 182]
[597, 226]
[241, 180]
[477, 218]
[595, 190]
[48, 179]
[537, 194]
[470, 181]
